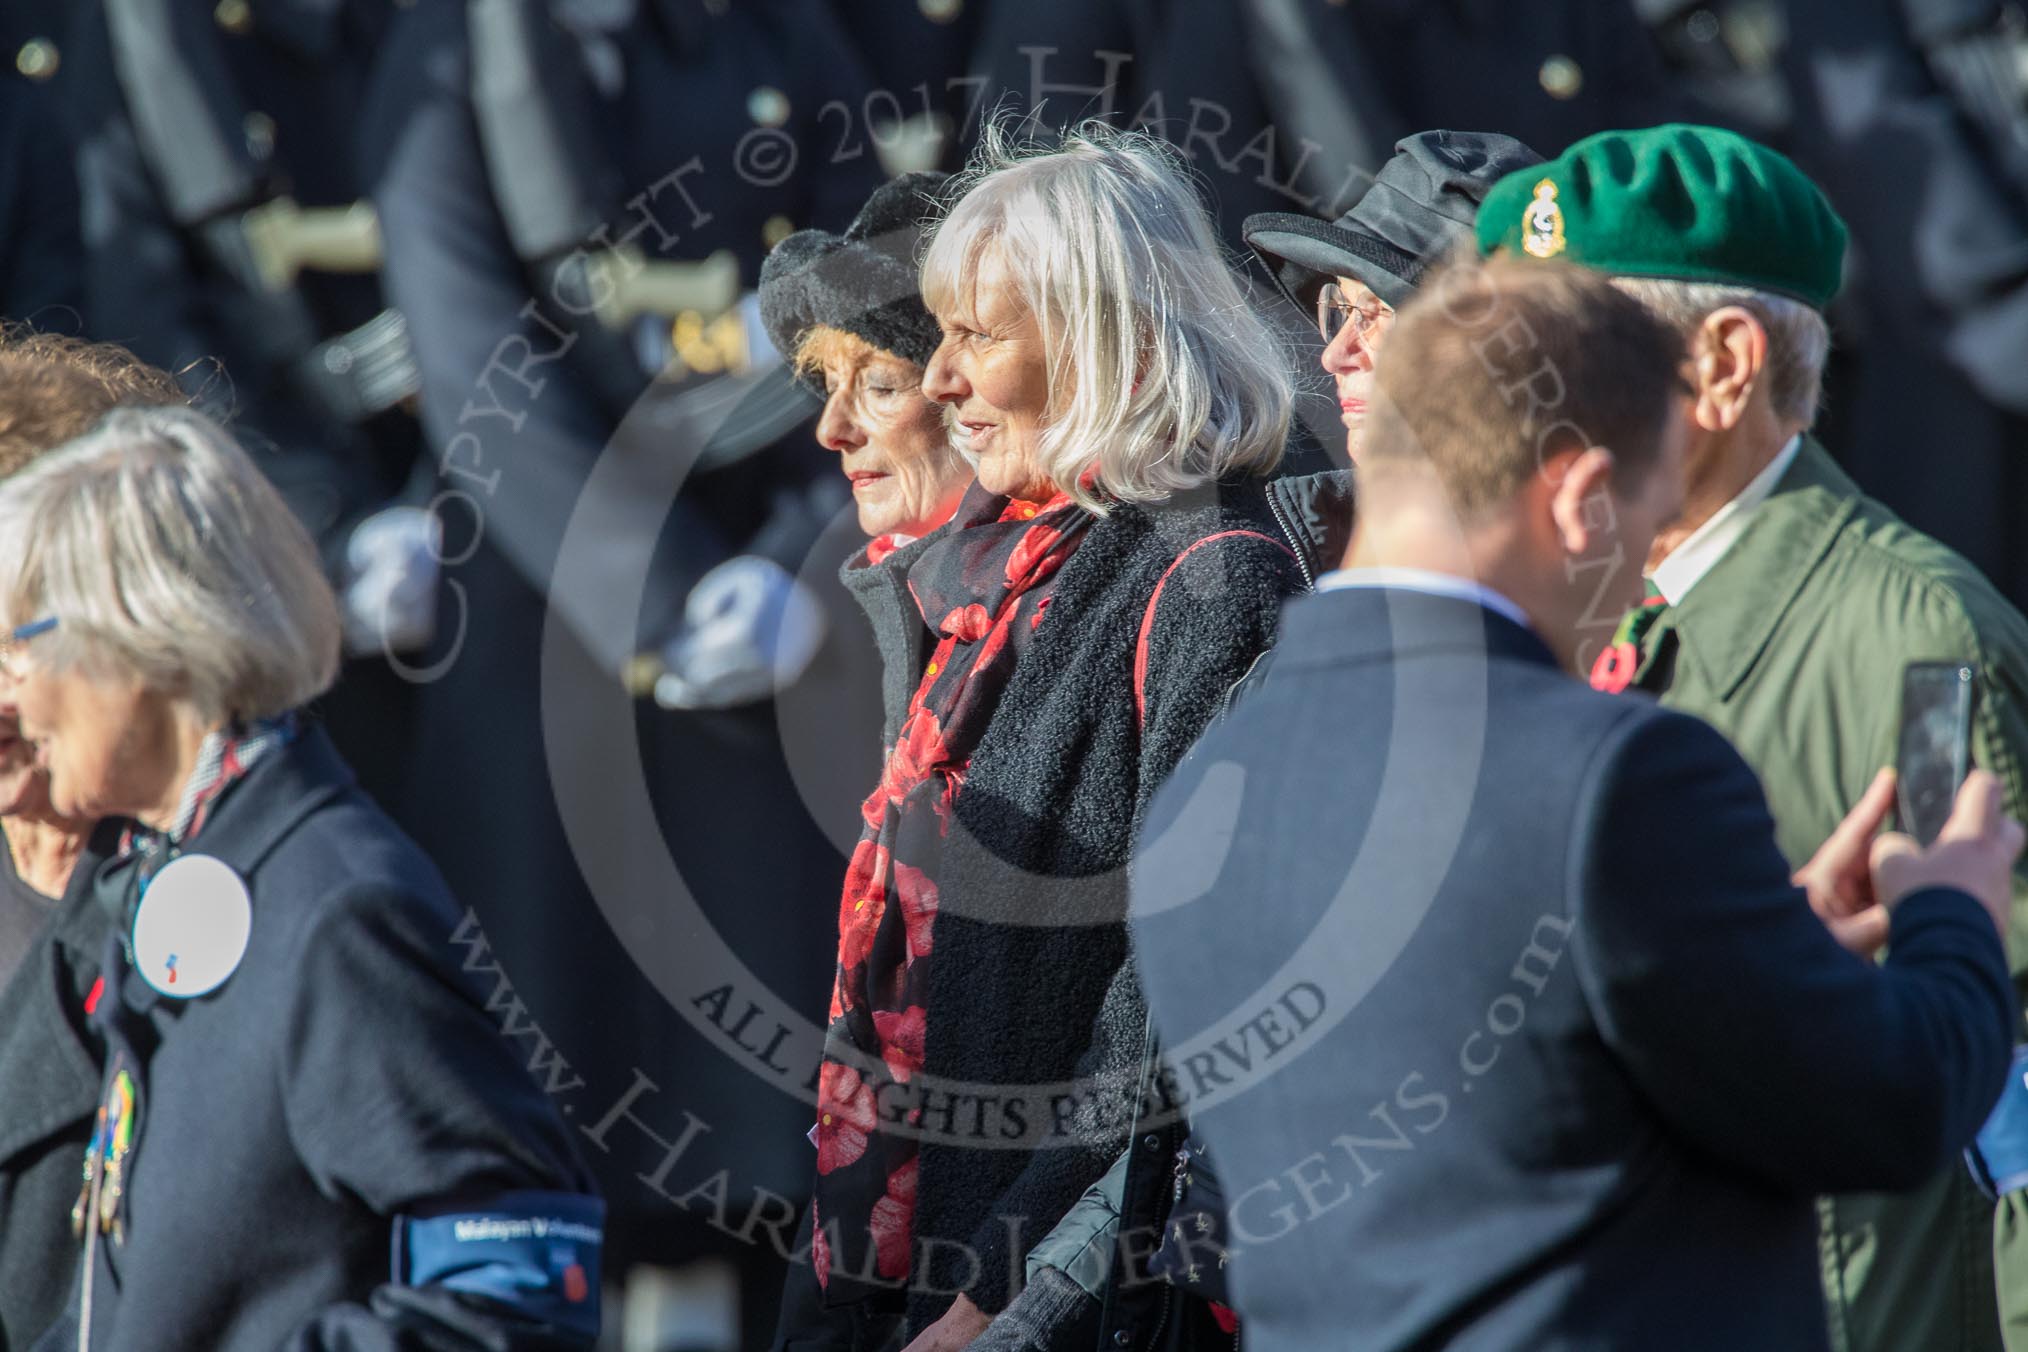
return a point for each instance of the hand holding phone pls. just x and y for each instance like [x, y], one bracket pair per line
[1854, 878]
[1955, 831]
[1974, 853]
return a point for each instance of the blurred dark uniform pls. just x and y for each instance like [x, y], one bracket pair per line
[917, 55]
[1290, 105]
[1913, 116]
[1933, 417]
[511, 131]
[40, 269]
[202, 126]
[1053, 63]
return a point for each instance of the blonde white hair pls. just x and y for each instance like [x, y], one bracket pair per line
[167, 557]
[1161, 377]
[1798, 338]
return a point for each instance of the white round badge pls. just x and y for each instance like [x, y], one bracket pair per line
[191, 928]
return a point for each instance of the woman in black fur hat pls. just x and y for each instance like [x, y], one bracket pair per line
[846, 312]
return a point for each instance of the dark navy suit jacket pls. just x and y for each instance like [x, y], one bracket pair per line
[1501, 1018]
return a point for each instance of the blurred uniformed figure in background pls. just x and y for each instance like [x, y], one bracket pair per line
[1913, 115]
[575, 200]
[226, 241]
[924, 96]
[1292, 105]
[1352, 79]
[39, 265]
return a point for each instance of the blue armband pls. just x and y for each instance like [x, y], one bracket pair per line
[537, 1253]
[1998, 1156]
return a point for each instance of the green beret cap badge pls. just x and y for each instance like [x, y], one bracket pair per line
[1685, 202]
[1543, 222]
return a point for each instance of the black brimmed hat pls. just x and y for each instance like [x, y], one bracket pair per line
[1421, 204]
[863, 281]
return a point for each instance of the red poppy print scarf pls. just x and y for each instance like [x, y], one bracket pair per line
[982, 588]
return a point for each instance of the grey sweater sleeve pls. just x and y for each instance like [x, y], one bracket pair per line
[1052, 1314]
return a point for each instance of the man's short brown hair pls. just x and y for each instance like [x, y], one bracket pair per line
[54, 389]
[1497, 366]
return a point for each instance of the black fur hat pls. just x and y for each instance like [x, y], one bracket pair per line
[863, 281]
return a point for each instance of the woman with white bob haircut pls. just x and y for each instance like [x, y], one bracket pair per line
[297, 1078]
[1091, 274]
[1110, 575]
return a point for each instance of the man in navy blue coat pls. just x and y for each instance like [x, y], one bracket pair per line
[1492, 996]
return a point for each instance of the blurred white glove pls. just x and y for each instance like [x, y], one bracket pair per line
[749, 629]
[389, 601]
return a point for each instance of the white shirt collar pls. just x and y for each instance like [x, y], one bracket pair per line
[1429, 583]
[1705, 546]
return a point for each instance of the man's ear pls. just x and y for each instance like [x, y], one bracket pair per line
[1581, 500]
[1728, 355]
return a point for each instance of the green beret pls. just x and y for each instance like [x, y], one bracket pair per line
[1693, 203]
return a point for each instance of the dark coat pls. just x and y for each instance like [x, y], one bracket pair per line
[49, 1066]
[1499, 1013]
[346, 1075]
[1098, 1279]
[1044, 827]
[1313, 513]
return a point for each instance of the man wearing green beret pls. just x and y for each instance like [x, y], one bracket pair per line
[1784, 606]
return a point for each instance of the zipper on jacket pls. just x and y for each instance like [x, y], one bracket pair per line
[1295, 540]
[1169, 1296]
[1109, 1311]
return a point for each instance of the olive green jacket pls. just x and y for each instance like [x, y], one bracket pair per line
[1793, 646]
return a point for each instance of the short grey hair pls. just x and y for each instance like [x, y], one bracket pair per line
[167, 557]
[1161, 376]
[1798, 339]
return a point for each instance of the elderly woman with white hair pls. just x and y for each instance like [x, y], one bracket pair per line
[1110, 575]
[298, 1079]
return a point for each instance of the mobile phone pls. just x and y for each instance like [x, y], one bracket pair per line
[1934, 752]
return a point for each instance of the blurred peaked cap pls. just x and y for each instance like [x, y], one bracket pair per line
[1419, 207]
[1690, 203]
[864, 281]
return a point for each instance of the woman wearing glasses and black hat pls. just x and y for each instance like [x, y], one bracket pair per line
[1355, 272]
